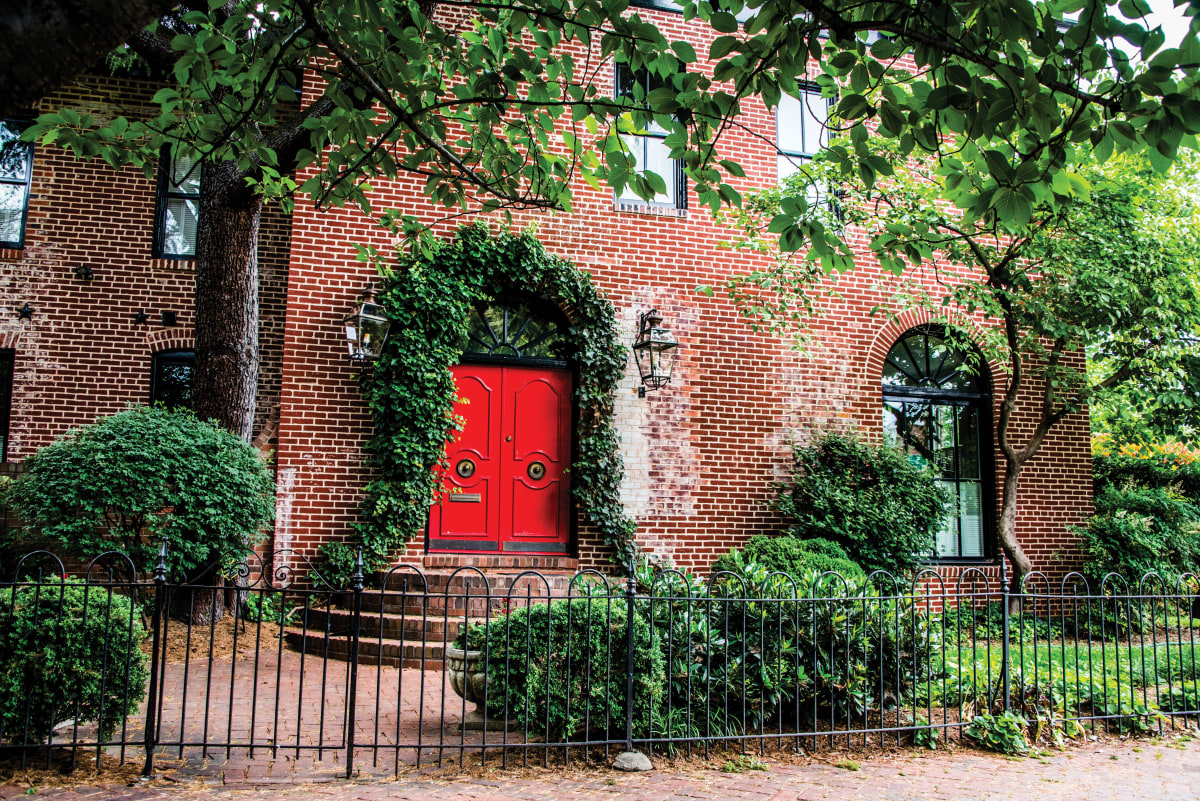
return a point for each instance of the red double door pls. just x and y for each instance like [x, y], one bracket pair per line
[506, 487]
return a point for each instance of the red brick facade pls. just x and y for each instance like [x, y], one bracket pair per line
[700, 455]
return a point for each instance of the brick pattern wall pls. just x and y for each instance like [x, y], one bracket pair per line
[701, 454]
[82, 356]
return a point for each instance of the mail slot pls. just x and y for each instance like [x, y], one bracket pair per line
[466, 497]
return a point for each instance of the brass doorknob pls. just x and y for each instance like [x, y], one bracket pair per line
[508, 438]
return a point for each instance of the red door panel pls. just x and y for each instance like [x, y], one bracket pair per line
[506, 487]
[469, 510]
[533, 509]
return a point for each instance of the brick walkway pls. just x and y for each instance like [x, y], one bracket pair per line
[1139, 771]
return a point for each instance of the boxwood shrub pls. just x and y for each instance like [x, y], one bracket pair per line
[558, 668]
[67, 652]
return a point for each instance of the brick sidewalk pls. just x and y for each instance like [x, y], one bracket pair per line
[1146, 770]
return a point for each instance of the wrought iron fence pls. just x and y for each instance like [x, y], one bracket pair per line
[266, 662]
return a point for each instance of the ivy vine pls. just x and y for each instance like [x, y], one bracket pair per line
[411, 391]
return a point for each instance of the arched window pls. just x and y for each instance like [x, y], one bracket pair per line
[515, 330]
[937, 407]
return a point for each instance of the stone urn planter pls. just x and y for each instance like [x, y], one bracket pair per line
[469, 680]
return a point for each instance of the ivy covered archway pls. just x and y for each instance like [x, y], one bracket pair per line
[411, 392]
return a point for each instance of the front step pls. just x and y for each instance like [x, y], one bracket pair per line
[408, 622]
[422, 655]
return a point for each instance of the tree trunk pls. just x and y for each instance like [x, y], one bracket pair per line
[225, 381]
[1007, 532]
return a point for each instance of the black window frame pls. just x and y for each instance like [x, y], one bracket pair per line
[9, 356]
[166, 169]
[979, 398]
[163, 358]
[21, 124]
[649, 81]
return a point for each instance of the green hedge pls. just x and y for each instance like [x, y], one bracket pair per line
[881, 507]
[68, 651]
[559, 668]
[793, 556]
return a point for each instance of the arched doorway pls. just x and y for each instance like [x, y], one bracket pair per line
[507, 485]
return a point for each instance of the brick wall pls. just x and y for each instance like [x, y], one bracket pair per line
[82, 356]
[701, 454]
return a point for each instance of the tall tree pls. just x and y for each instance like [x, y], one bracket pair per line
[1109, 273]
[501, 104]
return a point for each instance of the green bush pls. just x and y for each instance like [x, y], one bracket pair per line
[1141, 529]
[759, 647]
[881, 507]
[794, 557]
[129, 480]
[67, 651]
[1004, 733]
[559, 668]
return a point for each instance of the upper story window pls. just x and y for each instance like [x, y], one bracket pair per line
[16, 167]
[178, 207]
[649, 147]
[800, 129]
[938, 411]
[171, 378]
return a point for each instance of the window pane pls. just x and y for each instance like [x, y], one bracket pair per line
[15, 155]
[947, 534]
[970, 516]
[12, 211]
[173, 380]
[801, 123]
[185, 176]
[651, 155]
[179, 227]
[968, 443]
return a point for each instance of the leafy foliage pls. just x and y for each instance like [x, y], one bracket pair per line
[795, 557]
[130, 480]
[559, 668]
[756, 648]
[1004, 732]
[411, 391]
[871, 500]
[68, 651]
[1139, 530]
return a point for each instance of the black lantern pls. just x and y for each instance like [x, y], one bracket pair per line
[655, 351]
[366, 327]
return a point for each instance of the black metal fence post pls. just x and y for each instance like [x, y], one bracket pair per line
[152, 700]
[356, 584]
[1005, 647]
[630, 596]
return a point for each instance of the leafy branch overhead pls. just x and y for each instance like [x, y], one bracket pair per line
[503, 104]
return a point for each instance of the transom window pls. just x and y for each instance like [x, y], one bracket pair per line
[171, 378]
[16, 168]
[649, 147]
[514, 331]
[937, 408]
[178, 207]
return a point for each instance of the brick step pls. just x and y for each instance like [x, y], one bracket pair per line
[508, 563]
[462, 595]
[371, 651]
[414, 628]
